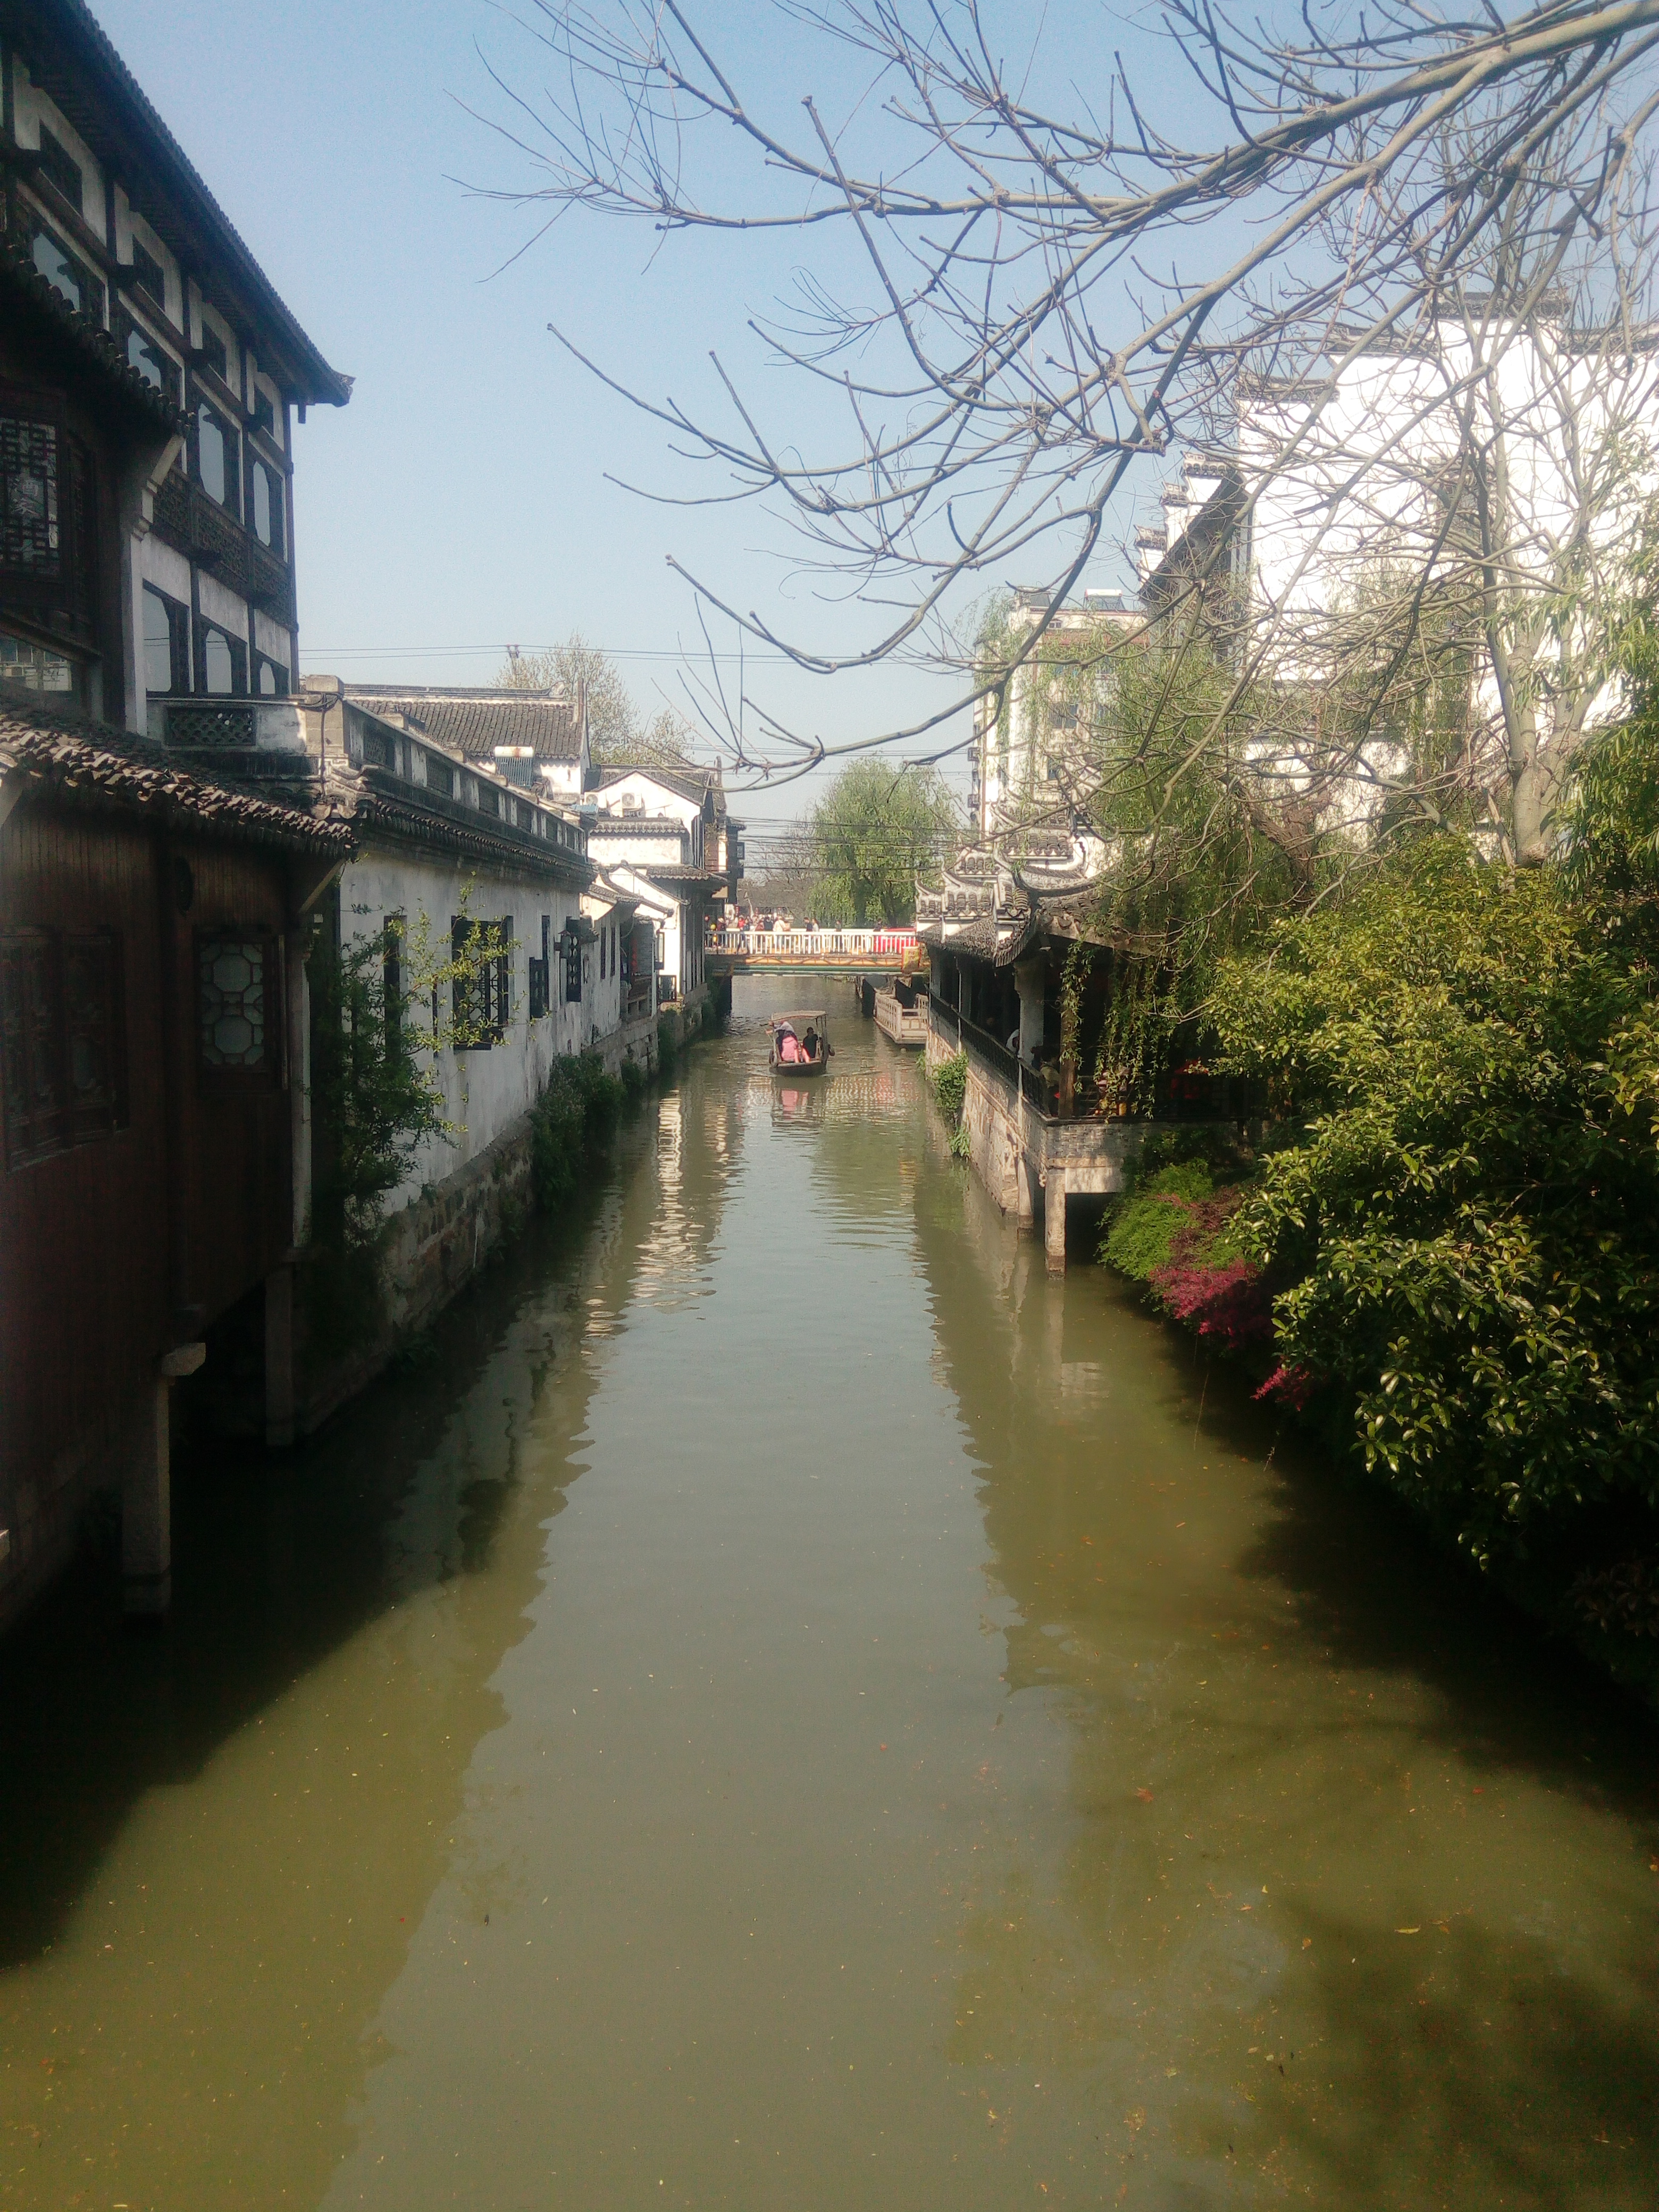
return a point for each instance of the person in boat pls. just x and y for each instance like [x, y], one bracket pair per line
[810, 1043]
[788, 1047]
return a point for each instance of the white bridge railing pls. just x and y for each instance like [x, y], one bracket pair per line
[872, 945]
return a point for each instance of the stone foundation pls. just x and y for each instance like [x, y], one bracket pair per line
[432, 1249]
[1031, 1164]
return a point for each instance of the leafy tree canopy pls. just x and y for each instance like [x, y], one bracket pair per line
[879, 825]
[1468, 1234]
[617, 730]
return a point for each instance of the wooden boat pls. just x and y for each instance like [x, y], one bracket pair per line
[906, 1025]
[796, 1025]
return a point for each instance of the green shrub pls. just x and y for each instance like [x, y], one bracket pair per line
[666, 1045]
[1141, 1228]
[950, 1084]
[1469, 1230]
[632, 1083]
[575, 1114]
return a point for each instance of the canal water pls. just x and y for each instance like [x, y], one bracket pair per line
[784, 1706]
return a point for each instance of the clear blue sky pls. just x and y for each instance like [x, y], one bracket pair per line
[461, 500]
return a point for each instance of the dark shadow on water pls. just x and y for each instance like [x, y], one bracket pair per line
[1375, 1590]
[1471, 2058]
[277, 1562]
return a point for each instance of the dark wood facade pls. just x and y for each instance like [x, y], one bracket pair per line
[148, 929]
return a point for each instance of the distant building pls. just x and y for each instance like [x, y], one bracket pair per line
[1473, 464]
[536, 738]
[665, 835]
[1030, 765]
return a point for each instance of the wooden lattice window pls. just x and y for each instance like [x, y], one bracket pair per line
[238, 1007]
[481, 997]
[541, 976]
[573, 965]
[62, 1035]
[31, 532]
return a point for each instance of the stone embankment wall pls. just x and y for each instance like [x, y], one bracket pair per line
[1031, 1165]
[441, 1239]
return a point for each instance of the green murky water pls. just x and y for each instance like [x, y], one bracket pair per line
[792, 1709]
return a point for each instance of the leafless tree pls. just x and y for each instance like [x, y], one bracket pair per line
[1059, 293]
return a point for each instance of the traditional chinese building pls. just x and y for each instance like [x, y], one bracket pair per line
[152, 1057]
[150, 380]
[156, 885]
[665, 834]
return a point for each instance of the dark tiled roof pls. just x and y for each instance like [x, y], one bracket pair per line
[126, 119]
[87, 341]
[635, 825]
[476, 721]
[378, 800]
[93, 764]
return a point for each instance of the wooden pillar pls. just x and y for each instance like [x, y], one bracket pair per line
[279, 1358]
[147, 1514]
[146, 1495]
[1029, 978]
[1053, 1220]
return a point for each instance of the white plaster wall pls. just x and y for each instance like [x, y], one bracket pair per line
[221, 605]
[654, 798]
[610, 841]
[270, 637]
[166, 568]
[484, 1091]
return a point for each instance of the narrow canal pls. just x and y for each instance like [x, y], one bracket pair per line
[787, 1708]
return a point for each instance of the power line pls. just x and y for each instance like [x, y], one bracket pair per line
[526, 653]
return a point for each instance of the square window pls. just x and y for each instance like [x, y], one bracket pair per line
[223, 659]
[38, 668]
[66, 276]
[156, 367]
[212, 351]
[61, 1040]
[267, 506]
[61, 170]
[147, 276]
[166, 643]
[215, 459]
[264, 412]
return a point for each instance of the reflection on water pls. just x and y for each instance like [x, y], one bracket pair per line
[791, 1708]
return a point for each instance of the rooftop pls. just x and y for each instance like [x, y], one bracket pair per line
[124, 130]
[49, 753]
[472, 719]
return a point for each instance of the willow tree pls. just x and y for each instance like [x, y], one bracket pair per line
[879, 826]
